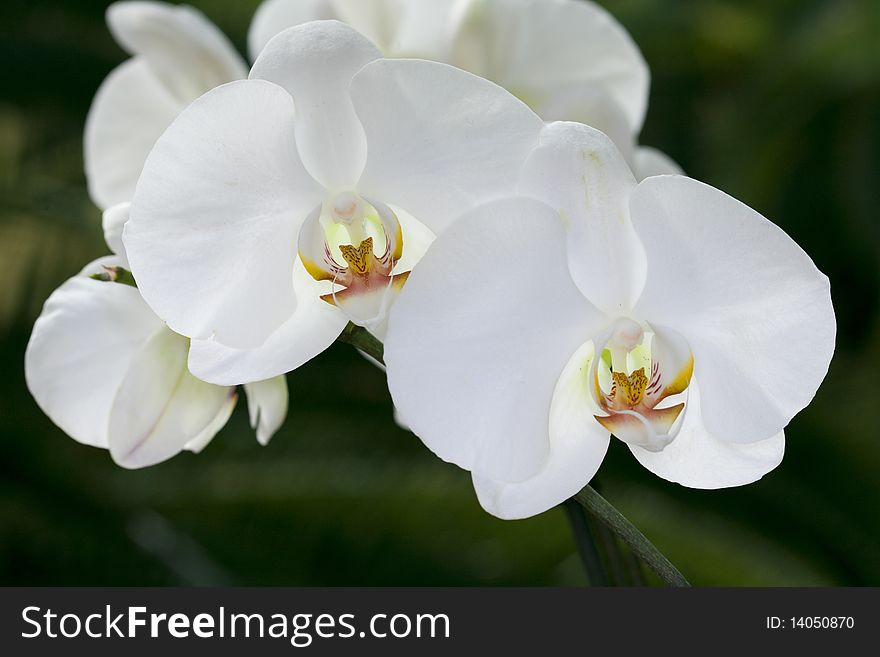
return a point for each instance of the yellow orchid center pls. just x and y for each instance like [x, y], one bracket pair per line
[629, 389]
[359, 259]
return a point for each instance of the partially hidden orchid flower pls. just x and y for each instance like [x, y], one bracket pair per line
[665, 313]
[177, 55]
[276, 209]
[568, 59]
[111, 374]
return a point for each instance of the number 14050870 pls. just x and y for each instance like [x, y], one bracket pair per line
[811, 623]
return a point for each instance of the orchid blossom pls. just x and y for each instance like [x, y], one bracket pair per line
[177, 55]
[109, 372]
[277, 209]
[142, 403]
[568, 59]
[665, 313]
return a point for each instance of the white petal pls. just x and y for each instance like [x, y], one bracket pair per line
[129, 113]
[754, 308]
[113, 221]
[427, 29]
[160, 407]
[179, 55]
[593, 107]
[187, 52]
[81, 347]
[312, 328]
[267, 406]
[275, 16]
[417, 238]
[315, 63]
[651, 162]
[405, 28]
[197, 444]
[214, 221]
[577, 446]
[578, 171]
[538, 47]
[697, 459]
[378, 20]
[479, 337]
[440, 140]
[399, 28]
[590, 105]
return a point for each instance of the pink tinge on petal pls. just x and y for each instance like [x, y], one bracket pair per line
[367, 299]
[648, 428]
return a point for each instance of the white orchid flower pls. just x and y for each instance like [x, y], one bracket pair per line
[177, 55]
[568, 59]
[666, 313]
[111, 374]
[276, 209]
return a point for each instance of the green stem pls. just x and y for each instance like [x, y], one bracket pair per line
[622, 565]
[362, 339]
[611, 550]
[586, 545]
[588, 498]
[602, 509]
[631, 563]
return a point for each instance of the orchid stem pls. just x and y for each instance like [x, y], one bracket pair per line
[602, 509]
[585, 542]
[611, 550]
[622, 565]
[588, 498]
[361, 338]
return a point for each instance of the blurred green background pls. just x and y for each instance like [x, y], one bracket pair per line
[776, 103]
